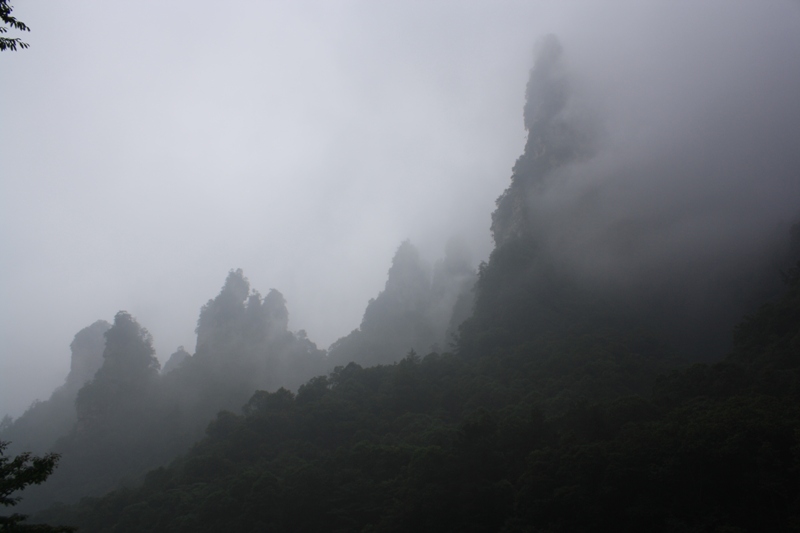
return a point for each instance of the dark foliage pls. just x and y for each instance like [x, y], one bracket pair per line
[11, 43]
[17, 473]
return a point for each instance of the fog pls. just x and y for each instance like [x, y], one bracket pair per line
[149, 148]
[694, 154]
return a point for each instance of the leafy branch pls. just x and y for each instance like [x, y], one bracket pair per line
[11, 43]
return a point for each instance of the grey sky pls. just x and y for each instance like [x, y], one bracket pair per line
[146, 148]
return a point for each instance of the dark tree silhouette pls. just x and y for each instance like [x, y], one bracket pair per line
[16, 474]
[10, 43]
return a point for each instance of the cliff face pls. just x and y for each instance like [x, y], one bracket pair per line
[556, 137]
[589, 237]
[44, 422]
[244, 340]
[522, 291]
[87, 354]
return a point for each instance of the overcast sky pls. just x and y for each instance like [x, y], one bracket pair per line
[147, 148]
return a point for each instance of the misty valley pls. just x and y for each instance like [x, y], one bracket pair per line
[626, 359]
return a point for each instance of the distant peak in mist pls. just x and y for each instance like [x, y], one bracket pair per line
[557, 135]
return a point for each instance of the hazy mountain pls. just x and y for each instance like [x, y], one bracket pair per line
[419, 309]
[175, 360]
[573, 251]
[46, 421]
[565, 405]
[128, 417]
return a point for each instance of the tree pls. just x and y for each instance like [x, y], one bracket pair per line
[16, 474]
[10, 43]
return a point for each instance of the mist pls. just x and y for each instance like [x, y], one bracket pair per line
[695, 136]
[148, 150]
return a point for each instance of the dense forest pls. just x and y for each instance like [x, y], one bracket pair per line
[536, 394]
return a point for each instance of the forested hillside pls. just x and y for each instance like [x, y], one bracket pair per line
[581, 435]
[117, 416]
